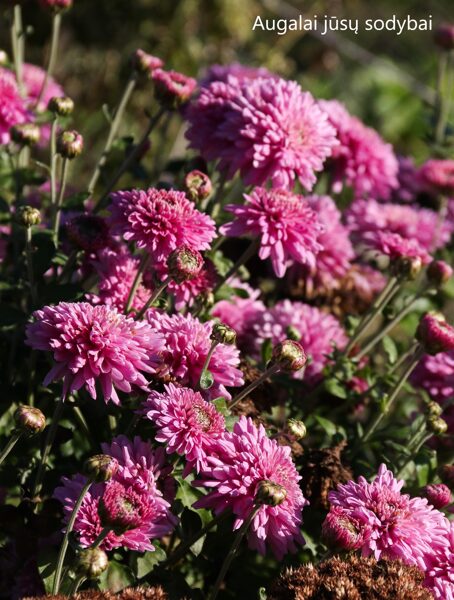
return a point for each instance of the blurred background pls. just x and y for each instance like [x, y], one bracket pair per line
[387, 80]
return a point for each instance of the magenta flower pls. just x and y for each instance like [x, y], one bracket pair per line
[186, 346]
[288, 229]
[134, 501]
[392, 524]
[95, 344]
[362, 161]
[160, 221]
[267, 129]
[185, 422]
[409, 185]
[238, 463]
[438, 494]
[33, 78]
[440, 571]
[411, 222]
[235, 71]
[319, 332]
[437, 176]
[435, 375]
[172, 88]
[394, 247]
[12, 107]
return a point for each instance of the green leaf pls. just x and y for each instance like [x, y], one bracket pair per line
[262, 594]
[334, 387]
[221, 406]
[267, 351]
[116, 578]
[328, 426]
[146, 563]
[390, 348]
[186, 493]
[206, 380]
[47, 561]
[44, 251]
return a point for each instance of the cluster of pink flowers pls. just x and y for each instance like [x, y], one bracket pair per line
[12, 108]
[138, 496]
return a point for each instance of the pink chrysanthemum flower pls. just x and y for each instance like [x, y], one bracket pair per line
[440, 572]
[12, 107]
[117, 270]
[288, 229]
[239, 462]
[235, 71]
[394, 247]
[409, 185]
[268, 129]
[186, 346]
[133, 498]
[160, 221]
[392, 524]
[334, 259]
[411, 222]
[185, 422]
[33, 78]
[435, 375]
[437, 176]
[95, 344]
[362, 161]
[319, 332]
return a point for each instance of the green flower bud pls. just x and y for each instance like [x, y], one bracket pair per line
[27, 216]
[269, 493]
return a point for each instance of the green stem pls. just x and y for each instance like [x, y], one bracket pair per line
[154, 296]
[47, 447]
[421, 441]
[9, 446]
[129, 160]
[114, 127]
[83, 424]
[61, 194]
[263, 377]
[17, 44]
[393, 396]
[56, 23]
[53, 161]
[137, 279]
[101, 537]
[76, 585]
[233, 551]
[65, 542]
[29, 255]
[206, 364]
[247, 254]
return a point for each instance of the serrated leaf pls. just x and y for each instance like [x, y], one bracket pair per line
[390, 348]
[116, 578]
[146, 563]
[334, 387]
[186, 493]
[221, 406]
[206, 380]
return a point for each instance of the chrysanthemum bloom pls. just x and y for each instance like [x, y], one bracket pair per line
[318, 333]
[134, 501]
[411, 222]
[440, 572]
[362, 161]
[89, 232]
[186, 346]
[185, 422]
[144, 63]
[95, 344]
[438, 494]
[393, 247]
[198, 185]
[235, 71]
[267, 129]
[434, 334]
[238, 464]
[392, 524]
[437, 176]
[172, 89]
[439, 272]
[288, 229]
[409, 185]
[12, 107]
[160, 221]
[33, 78]
[342, 531]
[435, 375]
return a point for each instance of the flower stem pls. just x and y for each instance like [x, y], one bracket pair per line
[129, 159]
[395, 392]
[265, 375]
[138, 278]
[206, 364]
[114, 127]
[17, 44]
[420, 441]
[29, 255]
[56, 23]
[76, 585]
[232, 552]
[154, 296]
[379, 304]
[65, 542]
[53, 161]
[9, 446]
[101, 537]
[57, 207]
[47, 447]
[247, 254]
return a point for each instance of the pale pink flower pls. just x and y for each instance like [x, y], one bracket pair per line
[437, 176]
[12, 107]
[33, 78]
[235, 71]
[435, 375]
[287, 228]
[239, 461]
[394, 247]
[95, 344]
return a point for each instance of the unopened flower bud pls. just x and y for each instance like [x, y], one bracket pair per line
[223, 334]
[101, 467]
[434, 334]
[198, 185]
[70, 144]
[340, 531]
[438, 272]
[434, 409]
[92, 562]
[437, 425]
[56, 5]
[438, 494]
[446, 473]
[444, 36]
[406, 267]
[293, 333]
[29, 419]
[144, 63]
[89, 232]
[27, 216]
[172, 89]
[25, 134]
[3, 58]
[61, 106]
[184, 263]
[297, 428]
[269, 493]
[289, 355]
